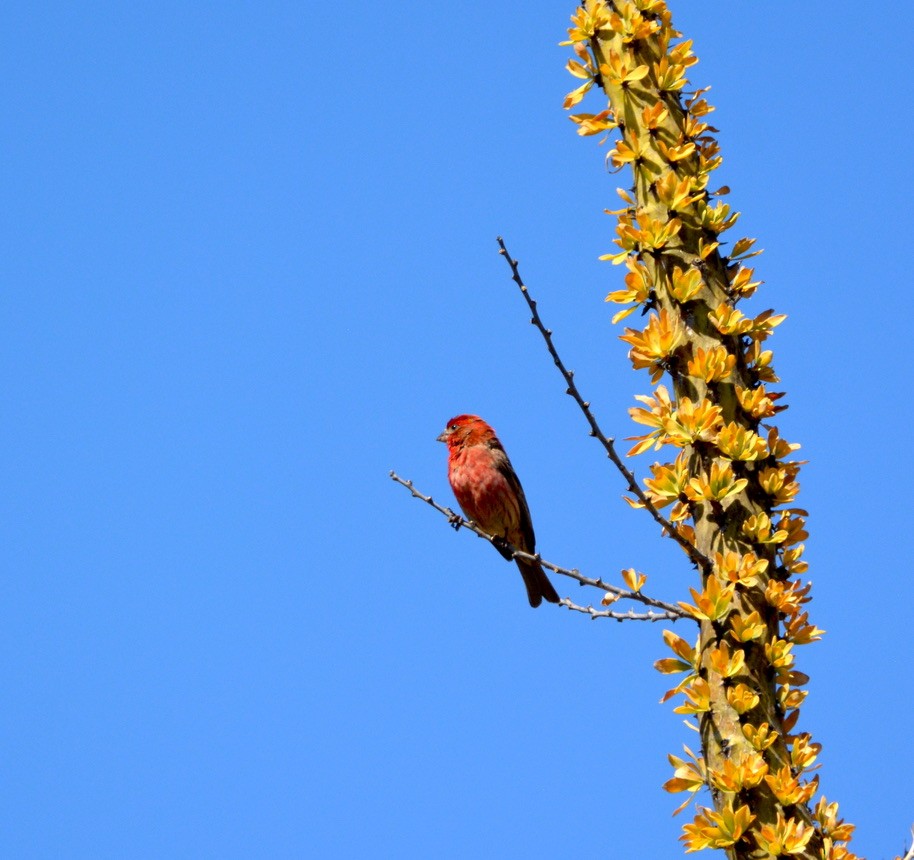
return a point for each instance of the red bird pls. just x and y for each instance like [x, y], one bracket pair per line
[490, 494]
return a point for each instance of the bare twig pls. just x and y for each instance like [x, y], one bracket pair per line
[631, 615]
[607, 442]
[910, 854]
[669, 610]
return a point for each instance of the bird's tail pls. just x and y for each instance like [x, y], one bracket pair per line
[538, 584]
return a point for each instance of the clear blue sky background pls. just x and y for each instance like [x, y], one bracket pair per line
[249, 266]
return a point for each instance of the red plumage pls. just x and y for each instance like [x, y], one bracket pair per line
[489, 493]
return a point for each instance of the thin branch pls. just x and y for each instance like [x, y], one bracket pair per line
[910, 854]
[631, 615]
[607, 442]
[669, 610]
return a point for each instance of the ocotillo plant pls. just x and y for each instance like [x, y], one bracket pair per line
[732, 484]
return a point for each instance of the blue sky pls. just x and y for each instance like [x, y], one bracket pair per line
[250, 266]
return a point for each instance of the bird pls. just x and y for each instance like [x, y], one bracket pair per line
[489, 493]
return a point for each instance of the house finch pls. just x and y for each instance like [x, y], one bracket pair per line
[489, 493]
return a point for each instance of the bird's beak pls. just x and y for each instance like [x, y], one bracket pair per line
[442, 437]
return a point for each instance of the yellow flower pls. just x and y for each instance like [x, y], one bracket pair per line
[788, 789]
[800, 632]
[778, 651]
[685, 285]
[740, 443]
[716, 829]
[669, 481]
[741, 284]
[690, 776]
[712, 604]
[650, 234]
[734, 777]
[759, 360]
[692, 422]
[787, 598]
[631, 25]
[682, 53]
[742, 698]
[761, 737]
[827, 815]
[653, 346]
[670, 75]
[588, 21]
[717, 486]
[616, 71]
[717, 218]
[675, 193]
[762, 325]
[652, 117]
[795, 527]
[656, 416]
[698, 698]
[743, 568]
[803, 751]
[728, 320]
[777, 482]
[759, 528]
[758, 402]
[786, 836]
[726, 662]
[680, 151]
[711, 365]
[747, 628]
[791, 559]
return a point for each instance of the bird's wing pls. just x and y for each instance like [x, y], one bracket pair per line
[503, 464]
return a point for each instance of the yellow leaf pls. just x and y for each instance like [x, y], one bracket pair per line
[742, 698]
[671, 666]
[698, 698]
[636, 74]
[575, 96]
[713, 603]
[578, 70]
[633, 579]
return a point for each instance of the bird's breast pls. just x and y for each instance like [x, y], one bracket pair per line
[482, 490]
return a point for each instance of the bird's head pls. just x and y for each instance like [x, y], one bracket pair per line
[465, 430]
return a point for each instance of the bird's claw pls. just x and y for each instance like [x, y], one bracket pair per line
[455, 521]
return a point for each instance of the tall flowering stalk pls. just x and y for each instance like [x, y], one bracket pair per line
[730, 479]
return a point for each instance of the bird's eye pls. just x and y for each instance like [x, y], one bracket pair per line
[452, 427]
